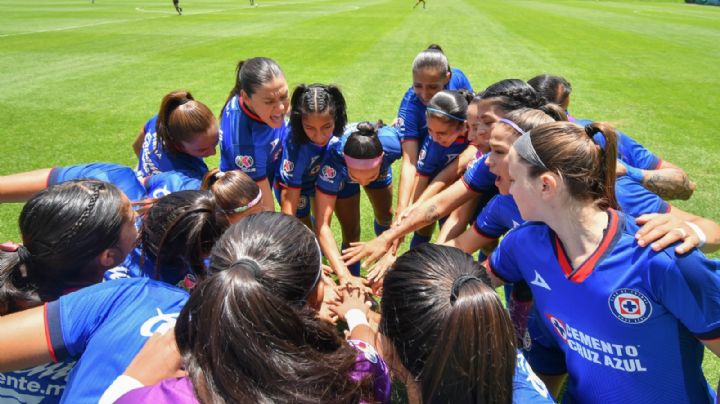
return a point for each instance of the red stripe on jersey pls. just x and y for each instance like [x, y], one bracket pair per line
[247, 111]
[460, 139]
[410, 139]
[51, 351]
[657, 167]
[587, 267]
[481, 233]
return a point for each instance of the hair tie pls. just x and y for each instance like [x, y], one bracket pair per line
[451, 116]
[590, 131]
[457, 284]
[363, 164]
[241, 209]
[249, 264]
[24, 257]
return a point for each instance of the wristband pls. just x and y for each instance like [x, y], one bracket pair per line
[354, 318]
[122, 384]
[698, 232]
[634, 173]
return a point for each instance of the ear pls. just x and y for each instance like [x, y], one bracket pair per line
[110, 258]
[244, 95]
[448, 75]
[317, 295]
[549, 186]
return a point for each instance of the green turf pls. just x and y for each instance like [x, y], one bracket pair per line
[79, 79]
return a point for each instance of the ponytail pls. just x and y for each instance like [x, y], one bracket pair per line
[181, 119]
[608, 156]
[432, 58]
[363, 142]
[251, 74]
[232, 189]
[16, 292]
[554, 111]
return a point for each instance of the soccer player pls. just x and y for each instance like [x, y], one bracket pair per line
[176, 3]
[253, 122]
[177, 138]
[361, 157]
[72, 233]
[431, 73]
[318, 113]
[446, 333]
[657, 175]
[418, 2]
[447, 125]
[618, 311]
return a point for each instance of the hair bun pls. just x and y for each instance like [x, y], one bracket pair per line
[366, 128]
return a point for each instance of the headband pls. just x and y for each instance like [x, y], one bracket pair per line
[363, 164]
[457, 284]
[451, 116]
[524, 147]
[250, 204]
[512, 125]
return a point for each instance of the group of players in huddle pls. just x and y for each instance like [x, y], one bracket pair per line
[171, 282]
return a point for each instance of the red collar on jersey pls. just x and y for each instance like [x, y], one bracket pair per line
[247, 111]
[586, 268]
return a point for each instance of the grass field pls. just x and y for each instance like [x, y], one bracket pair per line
[78, 79]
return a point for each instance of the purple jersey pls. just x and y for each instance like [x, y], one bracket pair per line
[628, 319]
[104, 326]
[412, 121]
[155, 158]
[180, 390]
[247, 143]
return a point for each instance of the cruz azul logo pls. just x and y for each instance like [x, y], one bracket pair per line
[630, 306]
[288, 166]
[328, 173]
[245, 162]
[621, 357]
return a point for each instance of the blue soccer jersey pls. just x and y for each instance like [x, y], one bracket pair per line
[478, 177]
[166, 183]
[154, 158]
[629, 320]
[412, 121]
[300, 163]
[104, 326]
[527, 387]
[629, 151]
[42, 384]
[433, 157]
[122, 177]
[247, 143]
[334, 178]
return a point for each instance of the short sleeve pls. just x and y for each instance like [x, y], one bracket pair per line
[689, 287]
[292, 165]
[72, 320]
[228, 134]
[527, 386]
[502, 262]
[368, 363]
[489, 222]
[427, 163]
[635, 154]
[408, 118]
[636, 200]
[478, 177]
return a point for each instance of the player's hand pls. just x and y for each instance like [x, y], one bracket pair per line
[405, 214]
[376, 275]
[331, 295]
[350, 298]
[660, 230]
[370, 250]
[158, 359]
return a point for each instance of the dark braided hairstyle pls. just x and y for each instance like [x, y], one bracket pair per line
[64, 228]
[316, 99]
[512, 94]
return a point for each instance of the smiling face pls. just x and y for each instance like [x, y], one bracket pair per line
[204, 144]
[502, 138]
[428, 82]
[445, 132]
[318, 127]
[270, 101]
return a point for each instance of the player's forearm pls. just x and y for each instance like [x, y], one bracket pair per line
[668, 183]
[330, 250]
[289, 201]
[407, 177]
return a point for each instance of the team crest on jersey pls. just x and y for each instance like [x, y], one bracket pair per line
[422, 154]
[244, 162]
[328, 173]
[558, 326]
[302, 204]
[288, 166]
[630, 306]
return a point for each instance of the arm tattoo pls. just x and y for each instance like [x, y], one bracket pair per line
[670, 184]
[431, 214]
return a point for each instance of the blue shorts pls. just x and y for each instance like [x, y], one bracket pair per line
[121, 176]
[543, 354]
[303, 209]
[349, 189]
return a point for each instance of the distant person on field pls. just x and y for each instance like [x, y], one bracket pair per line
[418, 2]
[176, 3]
